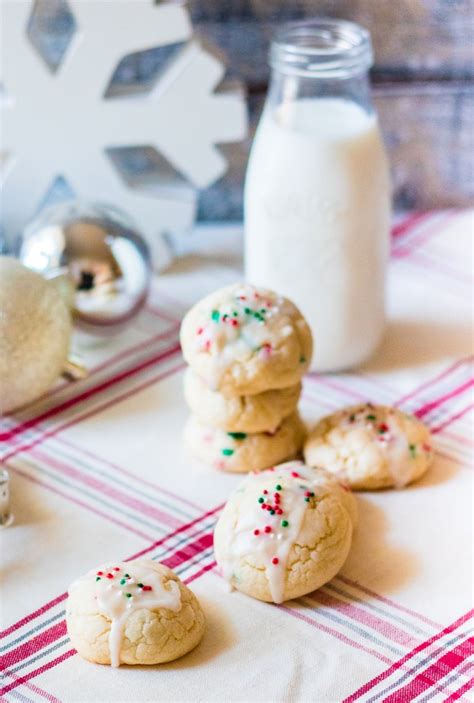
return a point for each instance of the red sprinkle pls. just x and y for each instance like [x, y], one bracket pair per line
[256, 532]
[100, 573]
[426, 447]
[263, 506]
[147, 588]
[110, 576]
[234, 322]
[116, 568]
[308, 494]
[265, 492]
[383, 427]
[295, 474]
[277, 497]
[207, 346]
[200, 330]
[242, 297]
[279, 511]
[268, 529]
[275, 560]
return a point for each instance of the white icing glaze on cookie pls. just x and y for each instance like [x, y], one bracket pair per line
[273, 526]
[122, 589]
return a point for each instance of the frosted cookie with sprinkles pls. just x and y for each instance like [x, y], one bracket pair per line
[247, 413]
[371, 447]
[239, 452]
[135, 612]
[284, 532]
[244, 340]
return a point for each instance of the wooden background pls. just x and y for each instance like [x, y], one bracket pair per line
[422, 80]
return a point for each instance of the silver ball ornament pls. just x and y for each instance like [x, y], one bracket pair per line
[99, 258]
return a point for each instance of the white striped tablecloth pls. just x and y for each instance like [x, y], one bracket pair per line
[98, 474]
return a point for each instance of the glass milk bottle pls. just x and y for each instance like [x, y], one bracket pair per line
[317, 191]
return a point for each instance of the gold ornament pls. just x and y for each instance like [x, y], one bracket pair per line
[35, 334]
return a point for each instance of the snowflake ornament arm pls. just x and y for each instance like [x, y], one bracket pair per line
[46, 135]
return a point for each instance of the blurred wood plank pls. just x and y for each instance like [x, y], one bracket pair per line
[428, 130]
[413, 39]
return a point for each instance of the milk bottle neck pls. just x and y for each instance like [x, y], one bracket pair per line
[321, 59]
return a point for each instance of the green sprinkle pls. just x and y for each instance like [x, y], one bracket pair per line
[247, 311]
[98, 578]
[261, 500]
[215, 315]
[306, 500]
[140, 585]
[278, 487]
[263, 311]
[259, 317]
[412, 448]
[370, 417]
[237, 435]
[129, 595]
[284, 523]
[235, 314]
[272, 512]
[227, 452]
[127, 576]
[123, 581]
[302, 359]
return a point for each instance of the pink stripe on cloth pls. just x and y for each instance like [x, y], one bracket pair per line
[35, 614]
[35, 689]
[334, 633]
[94, 411]
[356, 613]
[99, 388]
[126, 472]
[429, 407]
[81, 503]
[437, 226]
[435, 379]
[398, 664]
[430, 676]
[45, 638]
[37, 672]
[388, 601]
[103, 488]
[452, 419]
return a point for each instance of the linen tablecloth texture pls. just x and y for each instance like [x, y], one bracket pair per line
[98, 474]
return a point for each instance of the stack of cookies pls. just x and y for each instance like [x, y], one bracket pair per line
[247, 350]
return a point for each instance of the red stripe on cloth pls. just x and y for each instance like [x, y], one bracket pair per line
[183, 528]
[387, 601]
[407, 223]
[35, 614]
[117, 378]
[428, 677]
[398, 664]
[428, 407]
[204, 569]
[37, 672]
[334, 633]
[45, 638]
[35, 689]
[94, 411]
[440, 220]
[104, 489]
[189, 551]
[452, 419]
[436, 379]
[391, 632]
[458, 693]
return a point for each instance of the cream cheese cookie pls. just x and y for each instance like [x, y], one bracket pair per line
[284, 532]
[241, 413]
[136, 612]
[239, 452]
[371, 447]
[243, 340]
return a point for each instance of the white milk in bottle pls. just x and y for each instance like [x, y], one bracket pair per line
[317, 192]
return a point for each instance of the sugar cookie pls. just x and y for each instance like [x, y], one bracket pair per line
[371, 446]
[247, 413]
[243, 340]
[284, 532]
[239, 452]
[137, 612]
